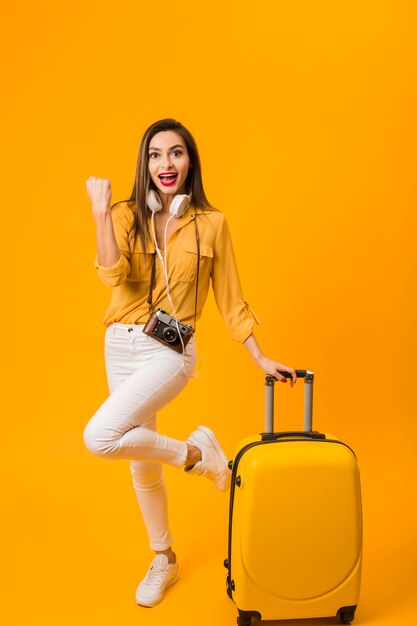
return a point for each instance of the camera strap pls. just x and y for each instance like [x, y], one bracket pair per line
[153, 273]
[151, 286]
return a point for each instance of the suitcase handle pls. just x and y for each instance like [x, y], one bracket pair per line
[308, 399]
[299, 373]
[298, 433]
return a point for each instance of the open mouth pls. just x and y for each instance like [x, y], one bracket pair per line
[168, 179]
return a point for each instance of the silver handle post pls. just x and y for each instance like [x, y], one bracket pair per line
[308, 402]
[308, 399]
[269, 404]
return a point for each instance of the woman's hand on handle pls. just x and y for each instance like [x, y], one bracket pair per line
[269, 366]
[274, 368]
[99, 192]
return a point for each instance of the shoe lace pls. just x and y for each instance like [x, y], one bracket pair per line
[154, 576]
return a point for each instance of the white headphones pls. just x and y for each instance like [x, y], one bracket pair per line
[179, 204]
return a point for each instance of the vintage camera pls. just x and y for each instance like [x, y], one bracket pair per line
[164, 329]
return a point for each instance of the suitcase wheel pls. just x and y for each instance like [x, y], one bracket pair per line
[346, 614]
[245, 617]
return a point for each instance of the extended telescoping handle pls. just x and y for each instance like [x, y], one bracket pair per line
[308, 399]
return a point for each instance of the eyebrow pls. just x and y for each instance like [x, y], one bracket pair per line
[177, 145]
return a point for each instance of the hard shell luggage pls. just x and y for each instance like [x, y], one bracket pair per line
[295, 522]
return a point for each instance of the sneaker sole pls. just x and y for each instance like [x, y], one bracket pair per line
[150, 606]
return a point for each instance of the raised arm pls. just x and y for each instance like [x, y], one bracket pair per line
[99, 192]
[112, 260]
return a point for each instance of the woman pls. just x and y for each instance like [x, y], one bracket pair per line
[154, 258]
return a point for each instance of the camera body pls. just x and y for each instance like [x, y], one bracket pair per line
[164, 328]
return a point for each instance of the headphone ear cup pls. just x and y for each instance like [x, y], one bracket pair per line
[180, 204]
[153, 201]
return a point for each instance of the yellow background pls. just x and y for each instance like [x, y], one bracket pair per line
[305, 117]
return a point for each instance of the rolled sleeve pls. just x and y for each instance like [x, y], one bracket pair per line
[113, 275]
[244, 327]
[238, 316]
[116, 274]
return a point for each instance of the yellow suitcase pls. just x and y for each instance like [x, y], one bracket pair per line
[295, 522]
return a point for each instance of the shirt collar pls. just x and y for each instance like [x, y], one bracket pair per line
[182, 221]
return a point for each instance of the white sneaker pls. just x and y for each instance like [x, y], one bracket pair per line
[213, 464]
[159, 577]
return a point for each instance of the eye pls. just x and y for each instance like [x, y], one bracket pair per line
[177, 152]
[153, 154]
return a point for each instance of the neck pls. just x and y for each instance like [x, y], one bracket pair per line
[167, 198]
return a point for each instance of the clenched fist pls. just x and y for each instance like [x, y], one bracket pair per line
[99, 192]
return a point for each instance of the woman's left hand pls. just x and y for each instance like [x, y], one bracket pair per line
[274, 368]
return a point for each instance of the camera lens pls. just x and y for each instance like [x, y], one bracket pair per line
[170, 335]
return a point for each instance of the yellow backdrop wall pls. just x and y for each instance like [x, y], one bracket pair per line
[304, 114]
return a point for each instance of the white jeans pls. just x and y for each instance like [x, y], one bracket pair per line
[143, 376]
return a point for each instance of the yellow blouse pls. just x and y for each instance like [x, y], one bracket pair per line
[130, 276]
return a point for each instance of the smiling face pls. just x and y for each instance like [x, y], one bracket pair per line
[168, 162]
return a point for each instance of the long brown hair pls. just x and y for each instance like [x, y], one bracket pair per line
[143, 182]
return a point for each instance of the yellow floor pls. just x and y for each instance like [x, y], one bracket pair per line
[81, 565]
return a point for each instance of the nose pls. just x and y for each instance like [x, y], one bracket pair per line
[166, 161]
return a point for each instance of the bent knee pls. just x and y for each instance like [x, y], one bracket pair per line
[97, 442]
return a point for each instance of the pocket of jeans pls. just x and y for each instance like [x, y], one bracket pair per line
[115, 342]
